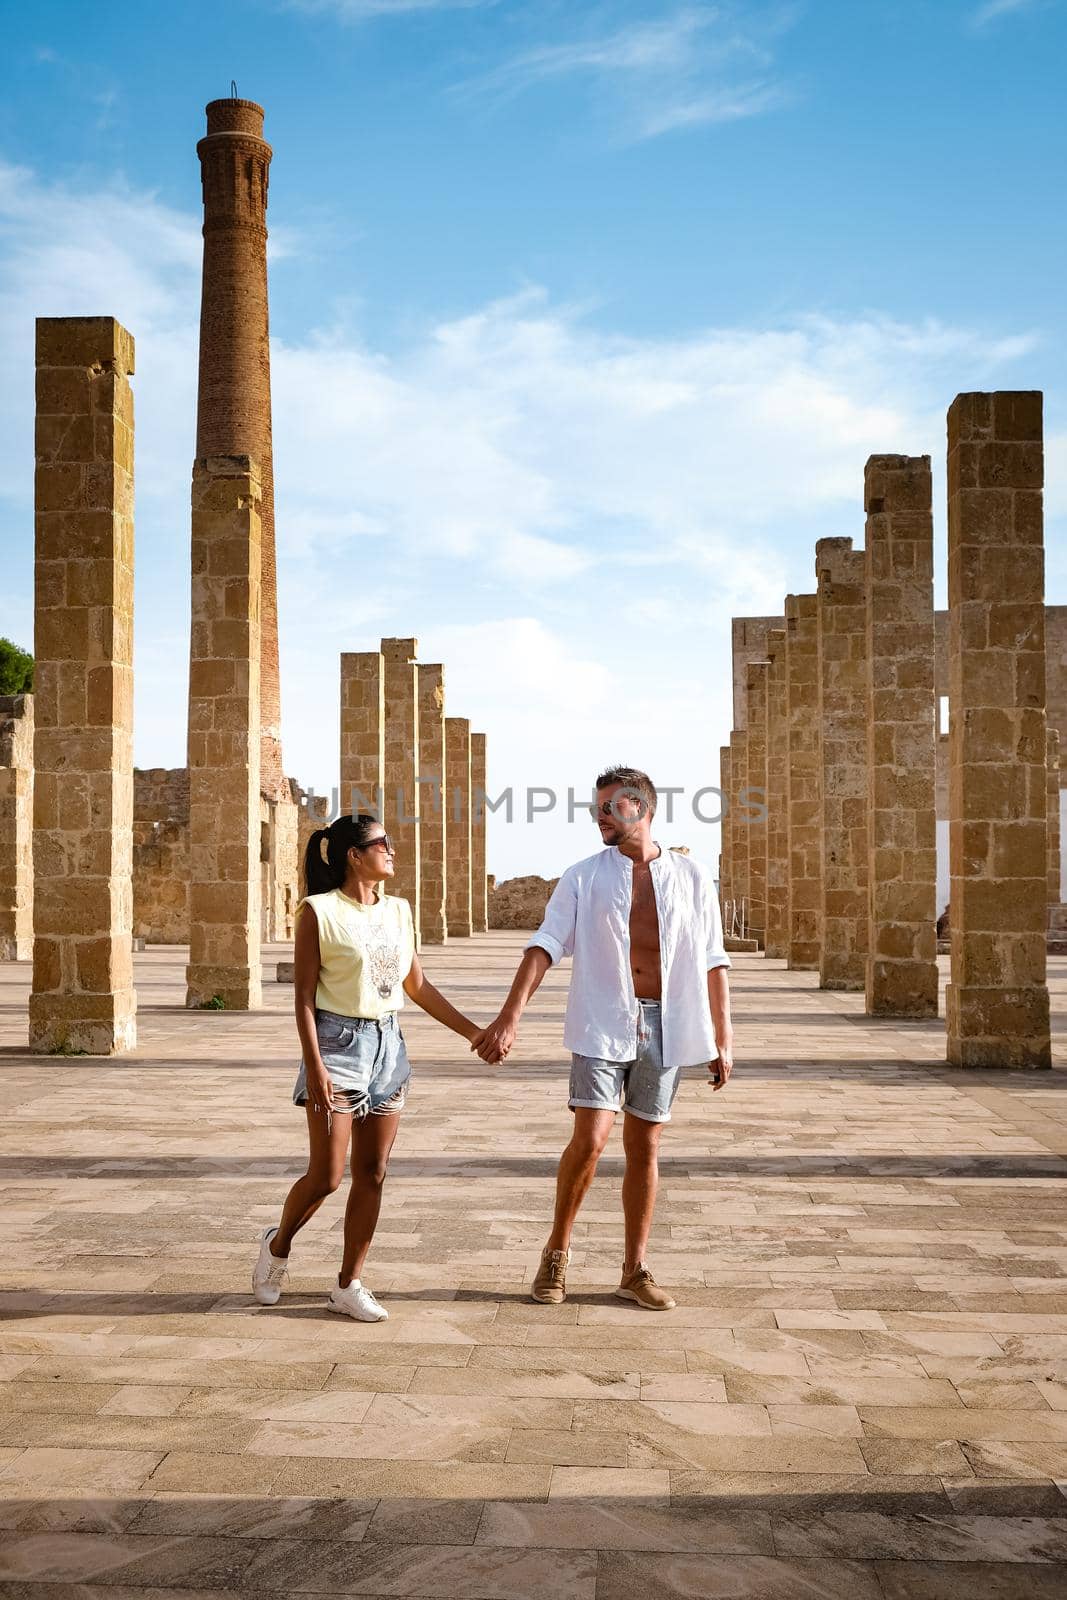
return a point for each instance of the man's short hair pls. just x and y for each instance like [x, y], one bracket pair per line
[637, 782]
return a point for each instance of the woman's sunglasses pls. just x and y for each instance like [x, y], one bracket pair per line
[382, 842]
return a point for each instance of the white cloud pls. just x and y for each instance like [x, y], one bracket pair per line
[995, 10]
[697, 65]
[351, 11]
[567, 517]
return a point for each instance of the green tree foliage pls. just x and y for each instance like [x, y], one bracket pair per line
[16, 669]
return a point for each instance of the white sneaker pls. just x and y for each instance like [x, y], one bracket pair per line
[269, 1272]
[356, 1301]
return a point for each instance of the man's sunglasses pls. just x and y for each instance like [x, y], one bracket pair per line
[382, 842]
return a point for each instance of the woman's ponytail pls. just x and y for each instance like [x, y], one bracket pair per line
[325, 867]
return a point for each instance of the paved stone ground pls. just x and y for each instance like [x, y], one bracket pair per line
[862, 1393]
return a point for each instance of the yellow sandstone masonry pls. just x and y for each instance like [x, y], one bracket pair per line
[735, 821]
[1052, 813]
[842, 635]
[458, 876]
[83, 997]
[901, 975]
[754, 812]
[776, 936]
[16, 827]
[224, 737]
[433, 813]
[479, 882]
[997, 1005]
[804, 785]
[401, 810]
[725, 856]
[362, 731]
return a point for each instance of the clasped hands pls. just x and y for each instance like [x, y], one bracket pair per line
[494, 1042]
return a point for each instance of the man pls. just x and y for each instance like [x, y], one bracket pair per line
[648, 997]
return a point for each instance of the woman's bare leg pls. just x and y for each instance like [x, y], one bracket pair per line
[326, 1168]
[372, 1141]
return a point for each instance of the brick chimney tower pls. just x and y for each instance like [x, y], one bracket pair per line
[233, 403]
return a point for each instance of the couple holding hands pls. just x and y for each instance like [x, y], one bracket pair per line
[648, 998]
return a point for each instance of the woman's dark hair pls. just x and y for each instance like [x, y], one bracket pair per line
[345, 834]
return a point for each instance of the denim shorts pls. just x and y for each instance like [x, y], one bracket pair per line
[365, 1060]
[643, 1086]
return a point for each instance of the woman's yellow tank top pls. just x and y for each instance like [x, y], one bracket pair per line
[365, 953]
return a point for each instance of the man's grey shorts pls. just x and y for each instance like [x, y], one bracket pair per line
[366, 1062]
[642, 1086]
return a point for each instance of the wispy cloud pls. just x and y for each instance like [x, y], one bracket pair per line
[995, 10]
[365, 10]
[693, 66]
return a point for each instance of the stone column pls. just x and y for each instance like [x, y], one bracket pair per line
[804, 786]
[432, 813]
[755, 809]
[776, 938]
[479, 882]
[16, 827]
[1052, 814]
[842, 633]
[224, 738]
[725, 861]
[997, 1006]
[402, 810]
[363, 732]
[901, 976]
[737, 824]
[458, 879]
[83, 997]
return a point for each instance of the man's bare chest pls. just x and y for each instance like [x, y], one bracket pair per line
[644, 918]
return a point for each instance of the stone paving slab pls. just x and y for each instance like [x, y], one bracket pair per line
[862, 1392]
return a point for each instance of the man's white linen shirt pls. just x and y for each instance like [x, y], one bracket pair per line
[588, 917]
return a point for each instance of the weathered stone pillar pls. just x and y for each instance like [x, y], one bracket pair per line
[363, 732]
[432, 812]
[402, 809]
[755, 809]
[737, 823]
[16, 827]
[804, 769]
[458, 877]
[901, 976]
[479, 882]
[776, 937]
[842, 632]
[997, 1006]
[83, 997]
[725, 861]
[224, 738]
[1052, 815]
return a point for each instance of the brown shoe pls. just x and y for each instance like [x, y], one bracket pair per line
[550, 1285]
[641, 1287]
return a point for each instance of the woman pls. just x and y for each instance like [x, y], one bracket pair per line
[355, 951]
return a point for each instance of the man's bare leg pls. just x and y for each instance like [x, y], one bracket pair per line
[640, 1142]
[577, 1165]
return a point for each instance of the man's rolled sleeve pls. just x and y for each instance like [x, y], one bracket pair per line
[556, 934]
[716, 949]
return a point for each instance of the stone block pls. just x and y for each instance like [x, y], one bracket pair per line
[804, 798]
[402, 802]
[82, 997]
[225, 741]
[433, 813]
[479, 834]
[997, 1003]
[459, 907]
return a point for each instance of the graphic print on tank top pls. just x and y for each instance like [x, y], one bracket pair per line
[383, 958]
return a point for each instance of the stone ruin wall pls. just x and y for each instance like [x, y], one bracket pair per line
[161, 856]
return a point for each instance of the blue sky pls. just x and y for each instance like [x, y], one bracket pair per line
[585, 317]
